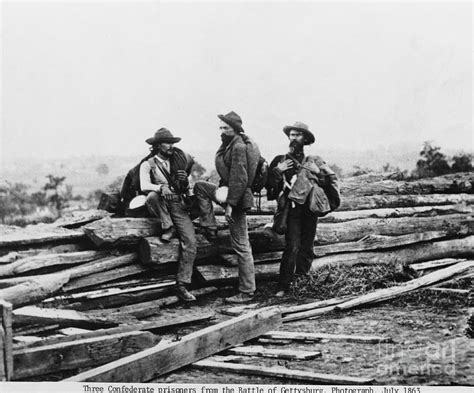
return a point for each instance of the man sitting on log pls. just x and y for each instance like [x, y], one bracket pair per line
[164, 177]
[236, 163]
[306, 188]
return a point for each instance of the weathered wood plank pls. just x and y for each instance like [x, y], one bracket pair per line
[39, 234]
[36, 315]
[72, 355]
[281, 372]
[153, 326]
[215, 273]
[435, 264]
[260, 351]
[389, 293]
[314, 305]
[448, 184]
[147, 309]
[162, 359]
[420, 252]
[6, 341]
[81, 217]
[32, 291]
[113, 231]
[104, 276]
[41, 261]
[395, 201]
[317, 337]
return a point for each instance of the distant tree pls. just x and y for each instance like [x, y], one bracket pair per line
[462, 163]
[102, 169]
[388, 168]
[358, 171]
[14, 200]
[57, 196]
[432, 163]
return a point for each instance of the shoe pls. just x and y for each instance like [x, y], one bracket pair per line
[240, 298]
[167, 235]
[181, 291]
[210, 233]
[281, 293]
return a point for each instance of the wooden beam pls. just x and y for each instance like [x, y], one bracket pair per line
[389, 293]
[72, 355]
[434, 264]
[281, 372]
[113, 231]
[42, 261]
[6, 341]
[317, 337]
[81, 217]
[39, 234]
[421, 252]
[47, 316]
[288, 354]
[157, 325]
[314, 305]
[162, 359]
[215, 273]
[32, 291]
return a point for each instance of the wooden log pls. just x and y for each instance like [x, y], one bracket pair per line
[80, 217]
[41, 261]
[436, 264]
[39, 234]
[395, 201]
[314, 305]
[147, 309]
[215, 273]
[98, 278]
[456, 248]
[6, 341]
[317, 337]
[288, 354]
[389, 293]
[152, 250]
[281, 372]
[72, 355]
[375, 242]
[449, 291]
[154, 326]
[162, 359]
[113, 231]
[448, 184]
[34, 290]
[157, 325]
[47, 316]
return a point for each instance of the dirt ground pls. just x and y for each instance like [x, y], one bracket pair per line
[429, 344]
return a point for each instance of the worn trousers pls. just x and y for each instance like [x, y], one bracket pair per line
[299, 241]
[239, 235]
[185, 229]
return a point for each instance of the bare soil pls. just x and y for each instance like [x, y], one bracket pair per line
[428, 331]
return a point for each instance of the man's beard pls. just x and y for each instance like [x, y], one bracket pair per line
[296, 147]
[226, 139]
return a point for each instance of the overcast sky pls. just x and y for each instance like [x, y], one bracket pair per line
[101, 77]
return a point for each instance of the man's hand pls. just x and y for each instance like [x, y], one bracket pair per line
[285, 165]
[181, 175]
[166, 193]
[228, 214]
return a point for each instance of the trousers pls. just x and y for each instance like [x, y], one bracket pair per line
[185, 229]
[239, 235]
[299, 241]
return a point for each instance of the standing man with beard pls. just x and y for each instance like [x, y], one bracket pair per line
[307, 188]
[164, 178]
[236, 163]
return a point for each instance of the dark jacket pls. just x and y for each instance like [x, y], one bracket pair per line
[236, 165]
[311, 182]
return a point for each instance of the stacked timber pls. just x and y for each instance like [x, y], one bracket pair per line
[93, 281]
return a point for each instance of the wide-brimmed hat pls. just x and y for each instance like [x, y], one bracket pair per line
[163, 135]
[233, 120]
[298, 126]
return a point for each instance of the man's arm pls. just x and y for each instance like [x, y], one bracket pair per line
[238, 177]
[274, 179]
